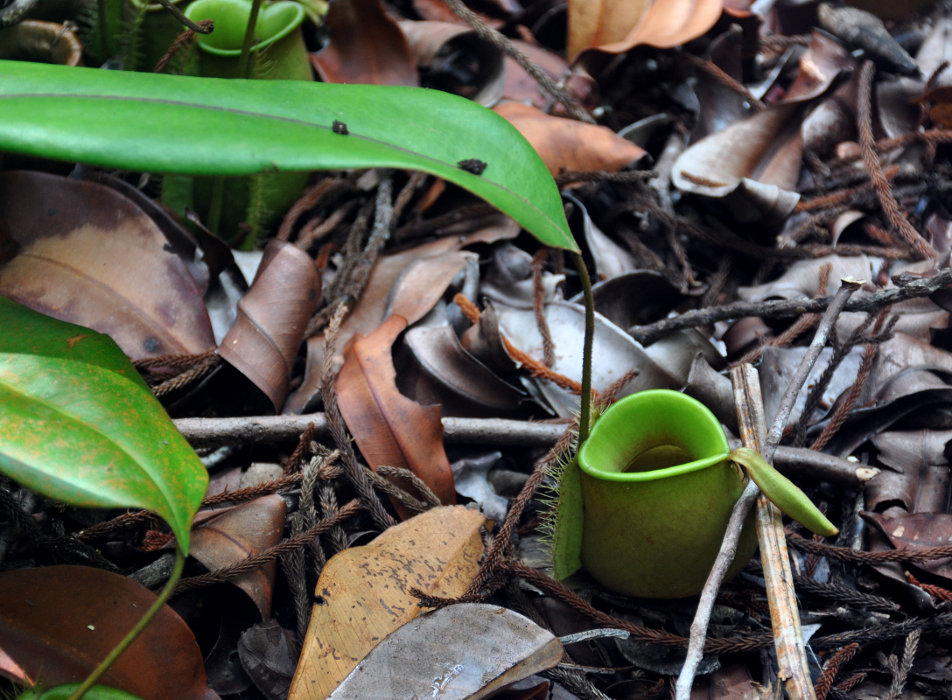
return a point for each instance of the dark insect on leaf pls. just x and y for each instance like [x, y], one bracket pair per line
[339, 127]
[472, 165]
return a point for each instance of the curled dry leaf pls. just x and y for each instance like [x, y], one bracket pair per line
[272, 318]
[424, 282]
[380, 294]
[36, 40]
[269, 656]
[440, 354]
[609, 259]
[569, 145]
[860, 29]
[59, 622]
[366, 46]
[363, 593]
[615, 26]
[616, 351]
[454, 58]
[237, 534]
[752, 165]
[390, 429]
[470, 650]
[83, 253]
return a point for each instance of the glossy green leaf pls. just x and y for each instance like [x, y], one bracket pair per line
[78, 425]
[207, 126]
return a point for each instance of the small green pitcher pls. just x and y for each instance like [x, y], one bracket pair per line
[657, 492]
[277, 36]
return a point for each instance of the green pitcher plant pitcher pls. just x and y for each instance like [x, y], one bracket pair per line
[644, 505]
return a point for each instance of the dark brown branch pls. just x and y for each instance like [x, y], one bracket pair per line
[913, 289]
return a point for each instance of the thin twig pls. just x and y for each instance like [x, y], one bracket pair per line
[913, 289]
[736, 523]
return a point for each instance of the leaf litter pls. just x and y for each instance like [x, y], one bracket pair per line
[795, 149]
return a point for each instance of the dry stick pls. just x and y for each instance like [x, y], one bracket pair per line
[734, 526]
[782, 309]
[778, 579]
[867, 143]
[238, 430]
[510, 49]
[215, 432]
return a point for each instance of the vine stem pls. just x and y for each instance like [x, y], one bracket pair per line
[150, 614]
[585, 415]
[243, 60]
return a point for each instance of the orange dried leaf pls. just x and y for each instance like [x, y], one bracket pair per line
[390, 429]
[569, 145]
[615, 26]
[363, 593]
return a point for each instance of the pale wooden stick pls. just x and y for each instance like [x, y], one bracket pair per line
[778, 579]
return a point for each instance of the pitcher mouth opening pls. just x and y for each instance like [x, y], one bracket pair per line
[652, 474]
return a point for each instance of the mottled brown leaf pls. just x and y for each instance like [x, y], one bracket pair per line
[363, 593]
[918, 531]
[86, 254]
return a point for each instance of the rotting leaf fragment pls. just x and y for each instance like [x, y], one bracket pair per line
[472, 165]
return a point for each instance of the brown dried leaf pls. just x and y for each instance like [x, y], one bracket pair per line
[238, 534]
[442, 357]
[389, 428]
[860, 29]
[471, 650]
[268, 654]
[753, 164]
[86, 254]
[522, 87]
[366, 46]
[615, 26]
[272, 318]
[456, 59]
[59, 622]
[569, 145]
[917, 531]
[363, 593]
[423, 283]
[372, 306]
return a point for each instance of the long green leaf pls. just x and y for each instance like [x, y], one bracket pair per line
[79, 426]
[207, 126]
